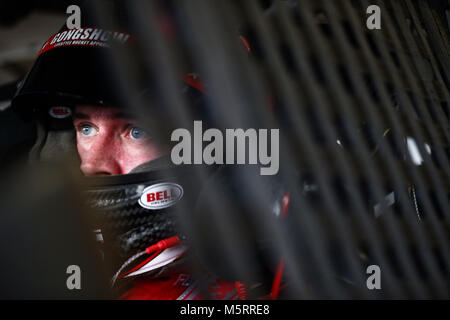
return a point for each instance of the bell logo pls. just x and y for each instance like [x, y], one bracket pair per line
[60, 112]
[161, 195]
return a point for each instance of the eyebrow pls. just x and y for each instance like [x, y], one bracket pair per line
[79, 115]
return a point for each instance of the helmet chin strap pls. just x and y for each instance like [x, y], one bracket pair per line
[153, 251]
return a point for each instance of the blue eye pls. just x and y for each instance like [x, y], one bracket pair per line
[88, 130]
[137, 133]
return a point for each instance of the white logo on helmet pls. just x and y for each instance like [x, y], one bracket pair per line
[60, 112]
[161, 195]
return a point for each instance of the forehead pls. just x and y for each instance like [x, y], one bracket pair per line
[99, 112]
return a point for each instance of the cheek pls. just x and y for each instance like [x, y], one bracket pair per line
[83, 148]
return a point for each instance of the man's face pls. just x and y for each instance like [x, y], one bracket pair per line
[110, 143]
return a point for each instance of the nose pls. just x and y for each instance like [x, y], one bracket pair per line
[101, 158]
